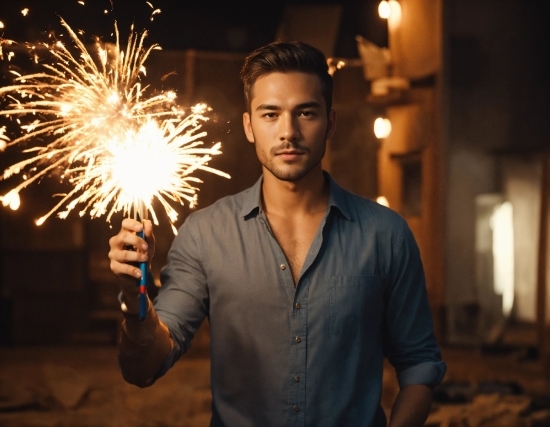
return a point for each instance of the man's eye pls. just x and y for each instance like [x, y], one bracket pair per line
[307, 113]
[269, 115]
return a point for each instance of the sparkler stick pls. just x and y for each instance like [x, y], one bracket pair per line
[141, 213]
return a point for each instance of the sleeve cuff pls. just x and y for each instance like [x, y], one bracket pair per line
[427, 373]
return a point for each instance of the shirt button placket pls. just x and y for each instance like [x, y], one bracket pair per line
[298, 357]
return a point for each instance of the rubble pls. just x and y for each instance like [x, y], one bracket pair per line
[67, 386]
[83, 387]
[487, 410]
[21, 397]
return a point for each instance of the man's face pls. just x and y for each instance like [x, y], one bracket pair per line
[288, 123]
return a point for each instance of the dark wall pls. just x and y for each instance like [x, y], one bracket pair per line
[499, 101]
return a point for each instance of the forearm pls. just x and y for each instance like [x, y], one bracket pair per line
[143, 347]
[412, 406]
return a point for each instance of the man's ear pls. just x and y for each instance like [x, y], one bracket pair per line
[331, 125]
[247, 125]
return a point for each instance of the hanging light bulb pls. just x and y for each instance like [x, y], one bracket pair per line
[390, 10]
[382, 128]
[384, 9]
[381, 200]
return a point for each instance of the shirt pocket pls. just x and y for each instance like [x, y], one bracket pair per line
[356, 304]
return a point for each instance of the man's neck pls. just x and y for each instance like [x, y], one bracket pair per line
[304, 197]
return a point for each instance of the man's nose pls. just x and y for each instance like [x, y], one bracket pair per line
[289, 129]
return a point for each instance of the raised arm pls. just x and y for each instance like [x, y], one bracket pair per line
[143, 345]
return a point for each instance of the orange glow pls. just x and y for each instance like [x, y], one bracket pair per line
[382, 128]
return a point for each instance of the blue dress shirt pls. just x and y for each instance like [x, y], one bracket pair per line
[309, 355]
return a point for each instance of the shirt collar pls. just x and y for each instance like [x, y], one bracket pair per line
[252, 198]
[337, 199]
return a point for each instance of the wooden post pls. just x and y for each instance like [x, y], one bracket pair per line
[190, 56]
[542, 261]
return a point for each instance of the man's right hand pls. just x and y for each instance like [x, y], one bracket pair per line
[126, 250]
[144, 343]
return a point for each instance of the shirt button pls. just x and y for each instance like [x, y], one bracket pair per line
[298, 306]
[297, 378]
[296, 408]
[298, 339]
[283, 267]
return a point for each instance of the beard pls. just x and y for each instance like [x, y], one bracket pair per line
[290, 171]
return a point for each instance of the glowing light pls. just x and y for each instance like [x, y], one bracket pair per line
[12, 200]
[81, 2]
[3, 138]
[1, 24]
[25, 11]
[97, 127]
[382, 128]
[390, 10]
[384, 9]
[502, 225]
[333, 65]
[154, 13]
[381, 200]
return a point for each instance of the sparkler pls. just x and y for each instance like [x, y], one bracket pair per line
[94, 123]
[117, 146]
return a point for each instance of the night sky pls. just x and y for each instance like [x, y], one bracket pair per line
[217, 25]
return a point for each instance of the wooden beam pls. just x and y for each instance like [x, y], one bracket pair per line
[543, 261]
[189, 82]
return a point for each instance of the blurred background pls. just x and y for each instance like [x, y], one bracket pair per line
[443, 114]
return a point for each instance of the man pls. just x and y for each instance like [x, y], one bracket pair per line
[306, 286]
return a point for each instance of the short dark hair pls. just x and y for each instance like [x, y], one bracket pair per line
[285, 57]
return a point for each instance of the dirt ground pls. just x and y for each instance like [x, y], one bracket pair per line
[81, 386]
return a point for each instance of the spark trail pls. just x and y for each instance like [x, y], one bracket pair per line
[87, 117]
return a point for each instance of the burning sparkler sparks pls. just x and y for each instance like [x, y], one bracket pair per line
[3, 138]
[94, 123]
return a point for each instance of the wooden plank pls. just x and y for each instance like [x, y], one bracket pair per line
[542, 262]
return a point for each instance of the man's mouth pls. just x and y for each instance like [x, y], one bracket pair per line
[284, 152]
[289, 155]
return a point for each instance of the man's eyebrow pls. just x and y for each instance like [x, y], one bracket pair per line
[270, 107]
[310, 104]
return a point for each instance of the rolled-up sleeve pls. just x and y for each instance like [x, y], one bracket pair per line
[182, 302]
[410, 343]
